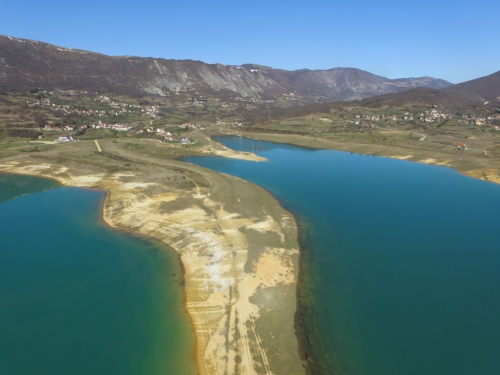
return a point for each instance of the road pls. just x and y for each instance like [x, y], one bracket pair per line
[97, 145]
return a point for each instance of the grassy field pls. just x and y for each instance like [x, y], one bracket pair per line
[417, 133]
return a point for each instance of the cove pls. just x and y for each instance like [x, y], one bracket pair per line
[402, 262]
[78, 297]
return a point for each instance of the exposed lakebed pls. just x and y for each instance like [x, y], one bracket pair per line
[402, 261]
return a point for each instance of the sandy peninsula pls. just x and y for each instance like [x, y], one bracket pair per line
[237, 245]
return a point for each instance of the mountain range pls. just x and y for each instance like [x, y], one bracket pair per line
[27, 64]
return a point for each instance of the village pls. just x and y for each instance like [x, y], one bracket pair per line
[165, 135]
[65, 116]
[117, 108]
[431, 116]
[109, 108]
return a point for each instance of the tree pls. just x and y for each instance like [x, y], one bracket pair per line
[40, 120]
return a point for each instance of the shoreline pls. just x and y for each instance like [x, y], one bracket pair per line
[463, 163]
[160, 244]
[228, 326]
[163, 247]
[101, 218]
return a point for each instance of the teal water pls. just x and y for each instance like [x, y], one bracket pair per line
[77, 297]
[402, 267]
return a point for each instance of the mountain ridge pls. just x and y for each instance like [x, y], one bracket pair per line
[26, 64]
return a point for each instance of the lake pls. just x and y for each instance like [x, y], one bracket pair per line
[77, 297]
[401, 271]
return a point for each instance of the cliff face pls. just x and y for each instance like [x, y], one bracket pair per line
[27, 64]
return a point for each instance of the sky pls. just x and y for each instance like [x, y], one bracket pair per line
[453, 40]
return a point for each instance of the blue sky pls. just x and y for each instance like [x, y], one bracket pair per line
[454, 40]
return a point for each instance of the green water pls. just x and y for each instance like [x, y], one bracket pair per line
[77, 297]
[402, 262]
[13, 186]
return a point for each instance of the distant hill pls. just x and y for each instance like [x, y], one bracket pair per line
[28, 64]
[471, 93]
[420, 97]
[459, 98]
[479, 90]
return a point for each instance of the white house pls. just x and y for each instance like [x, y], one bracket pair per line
[65, 138]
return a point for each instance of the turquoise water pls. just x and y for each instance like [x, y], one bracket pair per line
[402, 268]
[77, 297]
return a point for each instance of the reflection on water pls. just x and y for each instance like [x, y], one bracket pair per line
[13, 186]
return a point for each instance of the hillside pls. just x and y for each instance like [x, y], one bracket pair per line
[479, 96]
[479, 90]
[27, 64]
[421, 97]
